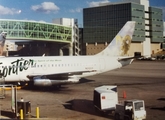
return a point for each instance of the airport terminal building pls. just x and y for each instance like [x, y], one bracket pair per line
[103, 22]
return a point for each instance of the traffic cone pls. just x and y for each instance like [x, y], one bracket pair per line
[124, 95]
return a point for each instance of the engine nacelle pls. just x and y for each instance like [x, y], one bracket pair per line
[48, 82]
[42, 82]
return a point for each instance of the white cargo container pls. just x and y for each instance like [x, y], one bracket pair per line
[105, 97]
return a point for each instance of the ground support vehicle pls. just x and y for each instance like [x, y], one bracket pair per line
[130, 110]
[105, 101]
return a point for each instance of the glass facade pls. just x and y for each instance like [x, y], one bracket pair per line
[138, 15]
[102, 23]
[156, 24]
[163, 46]
[35, 31]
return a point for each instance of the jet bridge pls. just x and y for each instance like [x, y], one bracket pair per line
[23, 32]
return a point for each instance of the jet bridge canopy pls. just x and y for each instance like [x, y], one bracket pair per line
[32, 30]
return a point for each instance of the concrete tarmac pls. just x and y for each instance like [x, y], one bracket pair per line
[141, 80]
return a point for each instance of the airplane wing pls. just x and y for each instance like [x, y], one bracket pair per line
[64, 74]
[41, 79]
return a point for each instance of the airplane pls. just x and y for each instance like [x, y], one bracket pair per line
[57, 70]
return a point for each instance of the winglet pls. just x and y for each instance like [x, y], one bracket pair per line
[120, 45]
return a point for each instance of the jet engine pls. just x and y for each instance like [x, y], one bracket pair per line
[49, 82]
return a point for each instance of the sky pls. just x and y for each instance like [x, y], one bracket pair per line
[46, 10]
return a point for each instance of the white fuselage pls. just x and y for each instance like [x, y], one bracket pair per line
[16, 69]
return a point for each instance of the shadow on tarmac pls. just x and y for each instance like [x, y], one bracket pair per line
[59, 87]
[162, 99]
[159, 108]
[5, 115]
[84, 80]
[85, 106]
